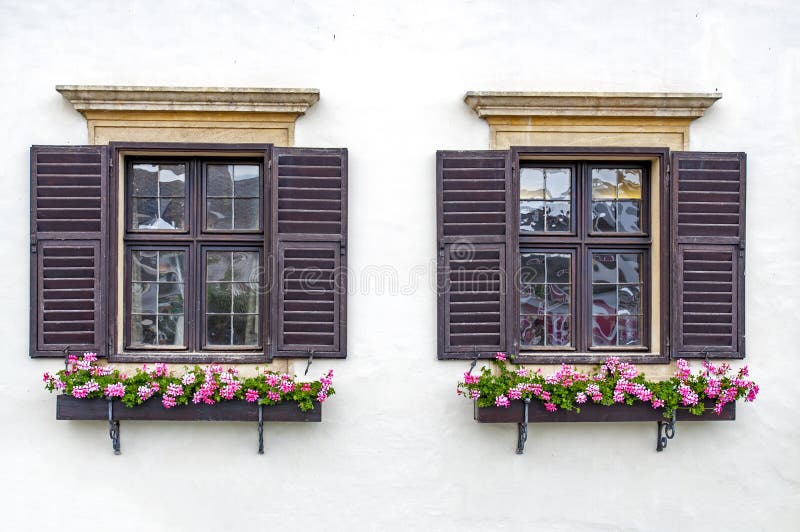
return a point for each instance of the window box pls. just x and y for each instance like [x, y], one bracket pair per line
[72, 408]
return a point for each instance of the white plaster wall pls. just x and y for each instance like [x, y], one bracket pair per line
[397, 449]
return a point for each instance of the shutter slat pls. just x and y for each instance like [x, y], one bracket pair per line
[708, 194]
[474, 190]
[309, 230]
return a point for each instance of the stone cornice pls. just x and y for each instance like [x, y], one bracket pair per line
[585, 104]
[204, 99]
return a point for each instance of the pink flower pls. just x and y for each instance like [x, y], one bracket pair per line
[551, 407]
[545, 396]
[79, 392]
[46, 377]
[168, 401]
[145, 392]
[501, 357]
[273, 396]
[251, 395]
[475, 394]
[161, 370]
[306, 387]
[174, 390]
[502, 400]
[90, 357]
[683, 369]
[286, 386]
[470, 378]
[188, 379]
[657, 403]
[115, 390]
[688, 396]
[580, 398]
[514, 393]
[522, 372]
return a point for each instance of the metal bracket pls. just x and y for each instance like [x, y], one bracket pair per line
[522, 429]
[260, 429]
[113, 428]
[474, 362]
[666, 431]
[310, 360]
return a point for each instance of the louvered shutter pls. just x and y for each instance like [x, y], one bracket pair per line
[473, 206]
[69, 249]
[708, 245]
[309, 244]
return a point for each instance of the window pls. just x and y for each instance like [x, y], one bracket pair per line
[188, 252]
[193, 254]
[564, 254]
[584, 248]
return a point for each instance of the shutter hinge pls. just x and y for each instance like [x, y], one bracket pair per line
[34, 241]
[108, 347]
[269, 164]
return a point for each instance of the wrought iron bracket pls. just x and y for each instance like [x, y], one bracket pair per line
[522, 429]
[113, 428]
[310, 360]
[666, 431]
[260, 429]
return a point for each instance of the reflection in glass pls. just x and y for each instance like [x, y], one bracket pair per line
[158, 193]
[233, 197]
[232, 298]
[545, 200]
[616, 200]
[617, 308]
[157, 297]
[545, 299]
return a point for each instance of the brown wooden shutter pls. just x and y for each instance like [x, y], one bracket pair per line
[309, 250]
[69, 249]
[708, 244]
[473, 206]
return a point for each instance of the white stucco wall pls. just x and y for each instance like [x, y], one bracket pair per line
[397, 449]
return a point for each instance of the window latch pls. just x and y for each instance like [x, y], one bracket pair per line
[310, 360]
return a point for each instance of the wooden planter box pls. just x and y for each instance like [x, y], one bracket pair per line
[594, 413]
[97, 409]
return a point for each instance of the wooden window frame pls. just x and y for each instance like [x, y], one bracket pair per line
[515, 241]
[195, 238]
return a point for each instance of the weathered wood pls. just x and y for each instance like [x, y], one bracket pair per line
[70, 408]
[594, 413]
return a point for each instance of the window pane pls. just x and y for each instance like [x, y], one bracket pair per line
[545, 299]
[617, 309]
[233, 198]
[158, 192]
[232, 298]
[616, 200]
[545, 200]
[157, 297]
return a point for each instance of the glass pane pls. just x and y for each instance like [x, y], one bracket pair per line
[170, 330]
[531, 183]
[219, 180]
[145, 213]
[558, 268]
[218, 330]
[604, 299]
[604, 330]
[170, 266]
[558, 299]
[558, 330]
[246, 179]
[531, 330]
[629, 184]
[245, 266]
[145, 180]
[218, 298]
[532, 299]
[143, 329]
[604, 216]
[172, 180]
[630, 332]
[531, 216]
[558, 213]
[143, 300]
[245, 330]
[219, 213]
[245, 298]
[218, 266]
[630, 299]
[628, 213]
[144, 265]
[558, 183]
[629, 267]
[604, 183]
[533, 268]
[604, 268]
[172, 211]
[170, 298]
[245, 215]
